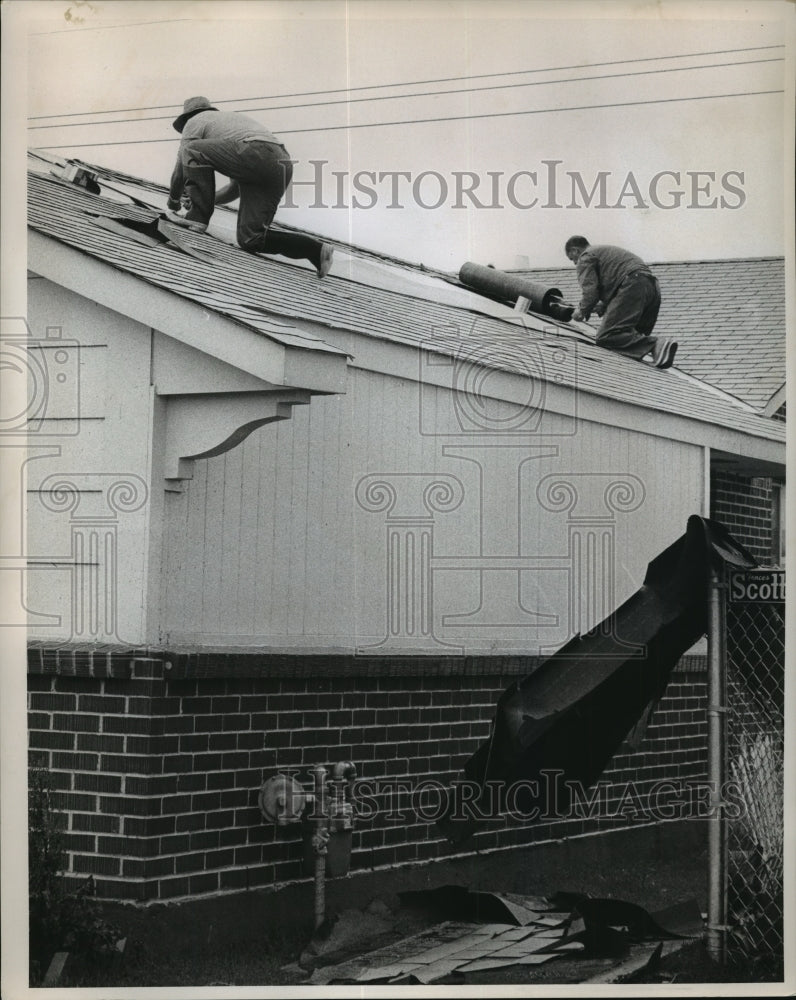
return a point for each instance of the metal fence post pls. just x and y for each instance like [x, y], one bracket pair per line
[716, 712]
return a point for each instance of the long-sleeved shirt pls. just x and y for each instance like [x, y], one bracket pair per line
[601, 270]
[217, 125]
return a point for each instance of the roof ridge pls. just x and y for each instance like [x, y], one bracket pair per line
[655, 263]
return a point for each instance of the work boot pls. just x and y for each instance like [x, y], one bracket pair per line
[667, 357]
[325, 263]
[658, 351]
[180, 220]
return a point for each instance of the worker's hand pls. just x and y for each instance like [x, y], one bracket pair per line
[174, 204]
[186, 202]
[577, 316]
[599, 309]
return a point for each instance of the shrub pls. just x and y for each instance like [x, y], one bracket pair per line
[61, 919]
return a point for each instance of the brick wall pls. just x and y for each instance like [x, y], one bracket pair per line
[157, 774]
[746, 507]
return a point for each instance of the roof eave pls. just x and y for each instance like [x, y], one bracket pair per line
[179, 317]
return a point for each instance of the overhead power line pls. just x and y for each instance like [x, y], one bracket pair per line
[417, 83]
[439, 93]
[105, 27]
[451, 118]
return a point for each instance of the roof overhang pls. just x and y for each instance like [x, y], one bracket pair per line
[250, 351]
[766, 445]
[748, 466]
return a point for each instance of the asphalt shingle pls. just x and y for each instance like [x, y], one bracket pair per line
[278, 299]
[727, 315]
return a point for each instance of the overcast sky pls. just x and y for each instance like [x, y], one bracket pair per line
[116, 74]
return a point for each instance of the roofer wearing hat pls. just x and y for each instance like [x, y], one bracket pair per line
[620, 287]
[259, 168]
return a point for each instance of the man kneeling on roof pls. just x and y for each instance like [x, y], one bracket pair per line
[619, 287]
[259, 168]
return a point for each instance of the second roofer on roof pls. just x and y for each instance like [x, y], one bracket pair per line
[259, 168]
[620, 287]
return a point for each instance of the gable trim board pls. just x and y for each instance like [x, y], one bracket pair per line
[185, 320]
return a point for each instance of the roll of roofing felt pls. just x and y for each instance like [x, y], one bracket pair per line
[489, 281]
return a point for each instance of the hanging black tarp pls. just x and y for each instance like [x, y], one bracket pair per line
[570, 715]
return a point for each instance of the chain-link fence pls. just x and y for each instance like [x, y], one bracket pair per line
[754, 765]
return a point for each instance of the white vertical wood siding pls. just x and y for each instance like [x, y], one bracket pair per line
[88, 472]
[269, 547]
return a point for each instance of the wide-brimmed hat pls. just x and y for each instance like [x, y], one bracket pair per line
[191, 107]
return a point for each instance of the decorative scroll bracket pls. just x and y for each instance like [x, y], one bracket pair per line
[208, 425]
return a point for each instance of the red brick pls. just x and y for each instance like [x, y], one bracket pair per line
[100, 703]
[54, 741]
[79, 841]
[129, 805]
[204, 840]
[179, 724]
[171, 887]
[231, 836]
[43, 702]
[94, 865]
[133, 867]
[175, 804]
[38, 683]
[97, 783]
[236, 723]
[101, 742]
[248, 855]
[130, 764]
[191, 821]
[262, 875]
[140, 724]
[194, 742]
[197, 706]
[207, 762]
[235, 878]
[234, 761]
[189, 863]
[191, 782]
[223, 741]
[95, 823]
[158, 784]
[148, 826]
[175, 843]
[180, 762]
[204, 883]
[220, 819]
[220, 779]
[73, 761]
[208, 723]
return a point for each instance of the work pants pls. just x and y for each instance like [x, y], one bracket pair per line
[630, 316]
[262, 171]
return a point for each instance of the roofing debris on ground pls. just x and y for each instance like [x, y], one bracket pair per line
[498, 930]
